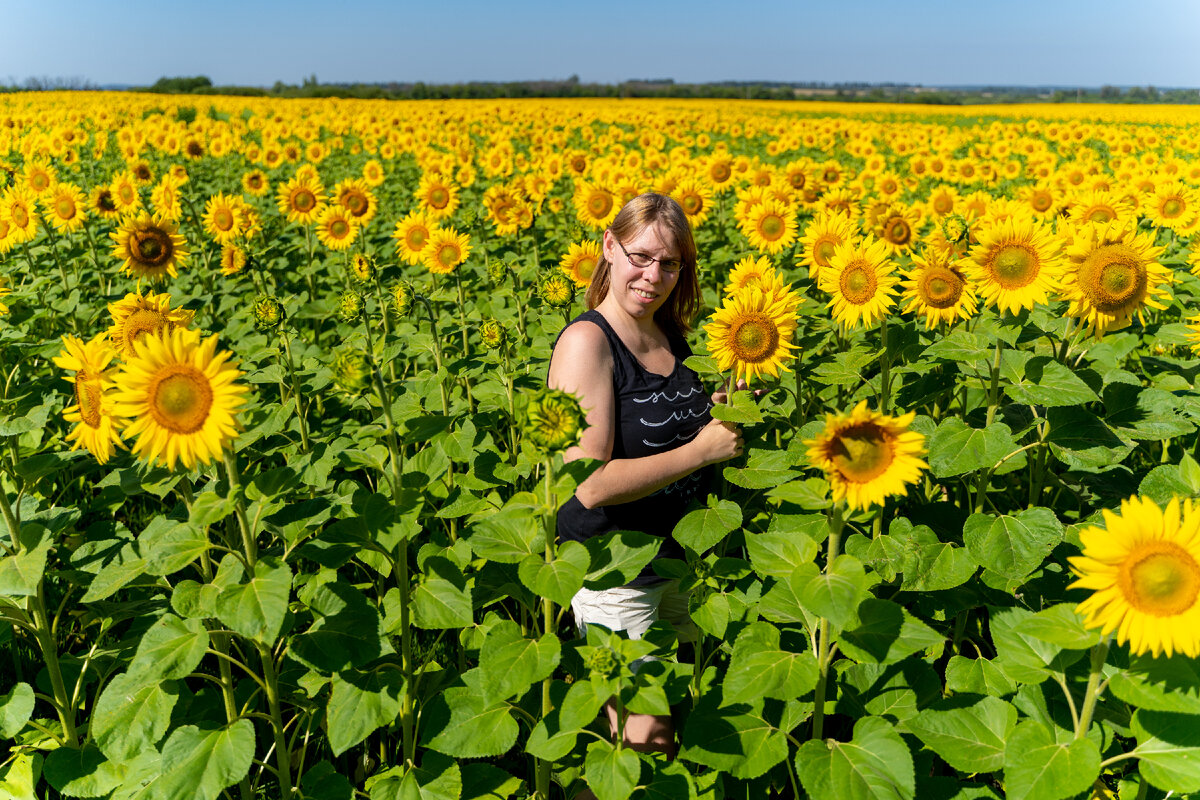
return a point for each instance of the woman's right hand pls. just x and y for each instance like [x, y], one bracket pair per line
[719, 441]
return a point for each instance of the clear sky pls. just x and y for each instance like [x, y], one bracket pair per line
[930, 42]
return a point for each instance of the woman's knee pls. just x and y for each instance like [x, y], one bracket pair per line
[646, 732]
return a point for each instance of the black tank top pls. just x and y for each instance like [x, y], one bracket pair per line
[655, 413]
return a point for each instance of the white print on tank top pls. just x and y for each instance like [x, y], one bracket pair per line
[655, 398]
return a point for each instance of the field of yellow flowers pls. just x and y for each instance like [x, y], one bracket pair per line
[279, 471]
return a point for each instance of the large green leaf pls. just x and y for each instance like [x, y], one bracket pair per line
[1012, 545]
[483, 781]
[443, 597]
[1082, 441]
[930, 564]
[1148, 414]
[1168, 749]
[256, 609]
[760, 667]
[82, 772]
[764, 470]
[19, 776]
[1163, 683]
[171, 648]
[897, 691]
[611, 774]
[461, 721]
[741, 409]
[21, 574]
[835, 593]
[198, 763]
[347, 631]
[874, 765]
[510, 663]
[618, 557]
[362, 702]
[131, 715]
[956, 449]
[437, 778]
[670, 780]
[559, 579]
[977, 676]
[735, 738]
[703, 528]
[969, 737]
[16, 708]
[778, 554]
[1039, 767]
[1061, 625]
[1049, 383]
[887, 633]
[115, 574]
[168, 545]
[1023, 656]
[509, 535]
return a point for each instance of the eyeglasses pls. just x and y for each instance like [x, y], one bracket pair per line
[641, 260]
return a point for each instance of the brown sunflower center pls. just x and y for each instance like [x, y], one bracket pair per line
[858, 283]
[105, 202]
[439, 197]
[1112, 276]
[1173, 207]
[151, 247]
[1041, 201]
[448, 255]
[584, 267]
[940, 288]
[1015, 265]
[339, 229]
[797, 180]
[64, 207]
[599, 204]
[692, 204]
[898, 231]
[19, 215]
[223, 219]
[356, 203]
[1160, 578]
[39, 182]
[823, 251]
[943, 204]
[754, 339]
[862, 452]
[139, 323]
[180, 398]
[303, 200]
[771, 227]
[416, 239]
[87, 396]
[1100, 214]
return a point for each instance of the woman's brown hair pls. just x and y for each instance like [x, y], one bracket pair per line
[675, 316]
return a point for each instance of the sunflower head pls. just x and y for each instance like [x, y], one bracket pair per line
[493, 334]
[268, 312]
[137, 316]
[556, 290]
[498, 271]
[867, 456]
[1143, 569]
[554, 420]
[350, 370]
[350, 306]
[361, 268]
[955, 228]
[751, 333]
[403, 297]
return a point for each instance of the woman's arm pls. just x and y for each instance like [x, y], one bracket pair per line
[582, 364]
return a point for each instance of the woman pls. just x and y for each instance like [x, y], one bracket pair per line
[647, 419]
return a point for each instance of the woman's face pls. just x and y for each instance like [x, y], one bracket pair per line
[641, 291]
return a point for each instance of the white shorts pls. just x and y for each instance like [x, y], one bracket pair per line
[633, 608]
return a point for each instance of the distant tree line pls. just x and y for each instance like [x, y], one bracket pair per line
[652, 87]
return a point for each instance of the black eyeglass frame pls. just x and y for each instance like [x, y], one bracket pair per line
[648, 260]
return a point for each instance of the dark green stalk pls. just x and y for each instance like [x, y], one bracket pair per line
[825, 651]
[291, 365]
[549, 517]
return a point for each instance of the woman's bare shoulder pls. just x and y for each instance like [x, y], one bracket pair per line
[582, 348]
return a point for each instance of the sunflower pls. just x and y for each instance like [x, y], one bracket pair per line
[1098, 207]
[149, 247]
[4, 290]
[268, 312]
[446, 249]
[1040, 198]
[221, 218]
[821, 239]
[233, 259]
[942, 201]
[861, 281]
[255, 182]
[412, 234]
[373, 173]
[1016, 263]
[1173, 205]
[335, 228]
[165, 199]
[770, 226]
[361, 268]
[300, 200]
[437, 196]
[896, 226]
[719, 170]
[39, 177]
[840, 201]
[141, 172]
[97, 428]
[66, 207]
[181, 397]
[867, 456]
[556, 290]
[18, 207]
[1144, 570]
[554, 420]
[751, 333]
[103, 204]
[125, 193]
[580, 261]
[695, 198]
[1112, 274]
[938, 290]
[493, 334]
[136, 316]
[354, 195]
[595, 206]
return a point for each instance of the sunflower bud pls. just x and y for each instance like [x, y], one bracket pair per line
[556, 290]
[602, 662]
[350, 306]
[402, 297]
[554, 420]
[497, 271]
[350, 371]
[493, 334]
[268, 313]
[955, 228]
[362, 267]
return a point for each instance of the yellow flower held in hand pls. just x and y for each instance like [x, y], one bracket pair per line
[751, 333]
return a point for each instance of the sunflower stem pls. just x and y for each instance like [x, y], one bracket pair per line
[291, 365]
[1094, 690]
[885, 376]
[549, 519]
[824, 652]
[46, 643]
[994, 388]
[249, 543]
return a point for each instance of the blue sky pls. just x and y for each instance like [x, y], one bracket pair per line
[257, 42]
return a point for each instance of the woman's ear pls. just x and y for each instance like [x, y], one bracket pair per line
[610, 245]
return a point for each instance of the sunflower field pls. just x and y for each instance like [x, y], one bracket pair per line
[279, 469]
